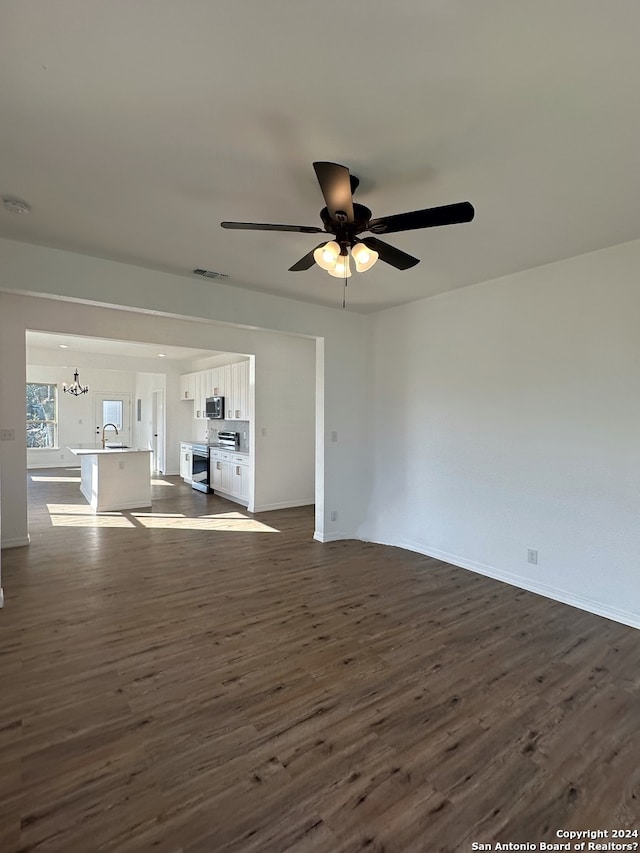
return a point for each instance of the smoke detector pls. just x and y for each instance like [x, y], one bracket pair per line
[15, 205]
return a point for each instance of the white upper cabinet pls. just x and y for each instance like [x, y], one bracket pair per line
[187, 386]
[230, 381]
[237, 404]
[197, 398]
[203, 390]
[216, 382]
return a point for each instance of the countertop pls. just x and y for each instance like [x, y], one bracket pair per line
[229, 449]
[94, 450]
[215, 446]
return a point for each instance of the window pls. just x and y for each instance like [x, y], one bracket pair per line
[42, 415]
[112, 412]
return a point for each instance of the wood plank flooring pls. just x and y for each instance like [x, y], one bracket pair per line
[195, 680]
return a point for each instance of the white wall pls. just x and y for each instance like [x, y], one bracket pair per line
[224, 317]
[515, 419]
[145, 386]
[76, 415]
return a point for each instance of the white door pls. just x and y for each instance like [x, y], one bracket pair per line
[157, 432]
[114, 408]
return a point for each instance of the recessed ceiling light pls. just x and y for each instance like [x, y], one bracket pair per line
[63, 346]
[15, 205]
[162, 355]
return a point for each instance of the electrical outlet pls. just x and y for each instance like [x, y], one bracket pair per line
[532, 556]
[334, 515]
[7, 435]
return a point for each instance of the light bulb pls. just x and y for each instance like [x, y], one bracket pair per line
[327, 255]
[364, 257]
[341, 269]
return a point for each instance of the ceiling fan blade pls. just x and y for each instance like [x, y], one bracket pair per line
[389, 254]
[263, 226]
[448, 214]
[335, 183]
[305, 263]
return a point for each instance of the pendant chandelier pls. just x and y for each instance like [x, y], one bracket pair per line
[75, 388]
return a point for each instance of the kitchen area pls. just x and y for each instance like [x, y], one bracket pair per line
[221, 462]
[257, 452]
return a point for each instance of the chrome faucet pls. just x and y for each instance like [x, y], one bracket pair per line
[103, 429]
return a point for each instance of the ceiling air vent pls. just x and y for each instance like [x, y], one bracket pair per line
[210, 274]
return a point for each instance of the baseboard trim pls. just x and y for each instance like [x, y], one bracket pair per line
[20, 542]
[561, 595]
[1, 597]
[330, 537]
[283, 505]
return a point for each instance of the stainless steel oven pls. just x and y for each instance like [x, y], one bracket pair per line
[200, 467]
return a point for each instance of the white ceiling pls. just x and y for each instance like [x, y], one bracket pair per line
[77, 345]
[134, 128]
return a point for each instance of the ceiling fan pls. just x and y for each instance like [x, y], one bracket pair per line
[346, 220]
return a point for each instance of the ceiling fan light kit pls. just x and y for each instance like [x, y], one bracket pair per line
[346, 220]
[341, 268]
[327, 256]
[363, 257]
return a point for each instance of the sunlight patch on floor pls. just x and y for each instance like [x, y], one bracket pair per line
[82, 515]
[226, 515]
[40, 479]
[158, 514]
[155, 481]
[91, 520]
[240, 524]
[76, 509]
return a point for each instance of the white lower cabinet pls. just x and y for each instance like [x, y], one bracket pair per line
[185, 461]
[240, 481]
[220, 475]
[229, 475]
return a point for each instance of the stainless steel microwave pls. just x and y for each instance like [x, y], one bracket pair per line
[215, 407]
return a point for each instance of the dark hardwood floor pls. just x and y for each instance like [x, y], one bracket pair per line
[198, 679]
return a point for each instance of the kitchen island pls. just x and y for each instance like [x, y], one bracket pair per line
[115, 478]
